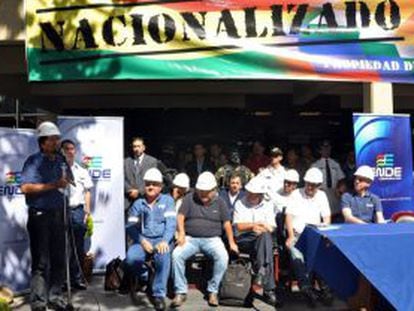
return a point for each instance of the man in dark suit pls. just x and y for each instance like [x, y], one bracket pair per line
[135, 168]
[199, 164]
[234, 193]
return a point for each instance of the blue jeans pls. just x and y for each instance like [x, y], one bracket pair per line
[135, 261]
[77, 216]
[211, 247]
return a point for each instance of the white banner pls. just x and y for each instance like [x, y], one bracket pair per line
[100, 148]
[15, 147]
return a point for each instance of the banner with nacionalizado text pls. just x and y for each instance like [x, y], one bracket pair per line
[364, 40]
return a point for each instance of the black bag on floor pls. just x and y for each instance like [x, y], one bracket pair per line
[235, 286]
[114, 274]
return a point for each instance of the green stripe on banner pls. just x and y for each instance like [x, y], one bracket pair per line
[235, 65]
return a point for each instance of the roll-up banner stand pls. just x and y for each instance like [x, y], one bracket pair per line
[384, 143]
[15, 146]
[100, 149]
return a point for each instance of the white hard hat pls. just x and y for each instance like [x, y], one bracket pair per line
[206, 181]
[313, 175]
[182, 180]
[153, 174]
[256, 185]
[47, 129]
[292, 175]
[365, 171]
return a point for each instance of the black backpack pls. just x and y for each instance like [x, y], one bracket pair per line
[236, 283]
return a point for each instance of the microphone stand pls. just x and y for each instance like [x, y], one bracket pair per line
[69, 306]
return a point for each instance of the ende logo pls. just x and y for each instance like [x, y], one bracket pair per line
[94, 166]
[386, 169]
[12, 186]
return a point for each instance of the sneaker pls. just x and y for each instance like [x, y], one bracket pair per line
[269, 297]
[178, 300]
[79, 285]
[213, 300]
[159, 304]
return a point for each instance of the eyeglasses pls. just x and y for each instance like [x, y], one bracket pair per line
[152, 183]
[362, 179]
[290, 183]
[312, 185]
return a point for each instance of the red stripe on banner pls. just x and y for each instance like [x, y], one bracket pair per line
[214, 5]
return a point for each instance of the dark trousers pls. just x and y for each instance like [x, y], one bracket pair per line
[47, 248]
[78, 227]
[260, 249]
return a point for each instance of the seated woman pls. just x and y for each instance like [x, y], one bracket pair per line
[254, 220]
[361, 206]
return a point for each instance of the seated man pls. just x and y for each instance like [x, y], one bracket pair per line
[308, 205]
[152, 222]
[361, 206]
[200, 221]
[233, 194]
[281, 197]
[254, 220]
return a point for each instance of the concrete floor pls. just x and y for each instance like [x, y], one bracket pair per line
[96, 298]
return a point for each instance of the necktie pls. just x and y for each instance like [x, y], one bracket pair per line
[328, 174]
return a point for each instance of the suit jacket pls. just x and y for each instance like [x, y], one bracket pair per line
[193, 173]
[134, 174]
[224, 194]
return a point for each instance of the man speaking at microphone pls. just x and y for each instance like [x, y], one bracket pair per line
[43, 179]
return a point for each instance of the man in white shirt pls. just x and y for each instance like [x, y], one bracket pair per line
[254, 220]
[308, 206]
[80, 209]
[274, 173]
[281, 198]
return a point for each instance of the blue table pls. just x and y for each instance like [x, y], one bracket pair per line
[384, 254]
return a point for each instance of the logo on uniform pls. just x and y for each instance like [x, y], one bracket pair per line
[386, 169]
[12, 186]
[95, 167]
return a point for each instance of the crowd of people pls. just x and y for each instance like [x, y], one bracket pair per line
[217, 205]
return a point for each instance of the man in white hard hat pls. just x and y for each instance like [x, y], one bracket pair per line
[44, 175]
[180, 187]
[151, 226]
[281, 197]
[307, 206]
[254, 219]
[201, 220]
[361, 206]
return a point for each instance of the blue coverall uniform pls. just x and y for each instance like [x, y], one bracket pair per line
[154, 224]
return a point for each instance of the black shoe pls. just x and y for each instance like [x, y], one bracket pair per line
[39, 309]
[159, 304]
[269, 297]
[79, 285]
[326, 297]
[310, 297]
[58, 306]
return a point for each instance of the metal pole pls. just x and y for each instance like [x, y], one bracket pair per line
[17, 116]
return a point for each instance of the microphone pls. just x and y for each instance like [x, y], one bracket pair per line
[66, 172]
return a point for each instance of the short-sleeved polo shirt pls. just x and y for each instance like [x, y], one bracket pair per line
[362, 207]
[264, 212]
[204, 221]
[307, 210]
[40, 169]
